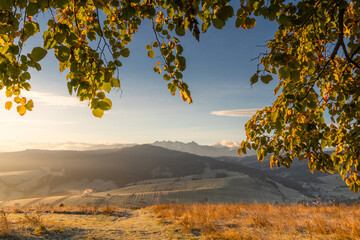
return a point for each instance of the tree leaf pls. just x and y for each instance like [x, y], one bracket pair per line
[29, 105]
[38, 53]
[151, 54]
[97, 112]
[266, 78]
[218, 23]
[21, 110]
[31, 9]
[254, 78]
[62, 53]
[125, 52]
[8, 105]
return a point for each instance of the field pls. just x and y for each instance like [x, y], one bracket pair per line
[264, 221]
[193, 221]
[232, 189]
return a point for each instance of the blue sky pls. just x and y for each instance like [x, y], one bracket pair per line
[218, 73]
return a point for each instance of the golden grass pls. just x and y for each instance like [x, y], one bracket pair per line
[34, 222]
[264, 221]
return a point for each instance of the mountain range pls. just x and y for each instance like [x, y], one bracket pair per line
[156, 174]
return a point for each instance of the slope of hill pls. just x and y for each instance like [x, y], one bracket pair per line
[73, 175]
[55, 170]
[237, 188]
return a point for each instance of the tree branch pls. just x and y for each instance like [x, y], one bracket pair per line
[341, 33]
[347, 55]
[341, 43]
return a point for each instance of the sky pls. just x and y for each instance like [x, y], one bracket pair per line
[218, 73]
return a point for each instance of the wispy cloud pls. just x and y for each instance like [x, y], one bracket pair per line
[35, 122]
[54, 99]
[236, 112]
[14, 145]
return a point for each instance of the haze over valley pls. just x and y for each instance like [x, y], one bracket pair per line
[144, 175]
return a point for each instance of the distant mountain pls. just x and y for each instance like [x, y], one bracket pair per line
[58, 172]
[202, 150]
[41, 173]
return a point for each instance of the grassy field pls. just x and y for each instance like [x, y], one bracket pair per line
[264, 221]
[42, 222]
[193, 221]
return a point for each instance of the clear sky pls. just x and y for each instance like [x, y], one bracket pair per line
[218, 71]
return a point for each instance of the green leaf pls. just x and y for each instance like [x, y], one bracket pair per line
[180, 31]
[182, 63]
[38, 53]
[62, 53]
[159, 27]
[116, 55]
[250, 22]
[125, 52]
[97, 112]
[179, 49]
[218, 23]
[148, 47]
[103, 105]
[70, 87]
[49, 40]
[62, 3]
[239, 22]
[266, 78]
[5, 4]
[166, 77]
[107, 86]
[100, 95]
[29, 105]
[14, 49]
[151, 54]
[115, 82]
[31, 9]
[25, 76]
[254, 78]
[295, 75]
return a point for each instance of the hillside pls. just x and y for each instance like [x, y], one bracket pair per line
[146, 175]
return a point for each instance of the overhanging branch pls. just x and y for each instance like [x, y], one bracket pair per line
[340, 42]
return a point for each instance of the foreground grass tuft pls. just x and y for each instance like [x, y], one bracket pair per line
[264, 221]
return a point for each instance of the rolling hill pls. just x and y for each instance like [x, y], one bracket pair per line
[147, 174]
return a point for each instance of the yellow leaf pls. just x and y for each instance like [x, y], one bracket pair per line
[21, 110]
[160, 17]
[8, 105]
[339, 149]
[23, 101]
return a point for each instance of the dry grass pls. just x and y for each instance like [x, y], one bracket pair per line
[45, 222]
[4, 225]
[83, 222]
[264, 221]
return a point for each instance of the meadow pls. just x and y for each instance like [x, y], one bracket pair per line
[182, 221]
[264, 221]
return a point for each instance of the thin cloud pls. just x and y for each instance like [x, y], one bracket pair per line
[51, 99]
[35, 122]
[13, 145]
[236, 112]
